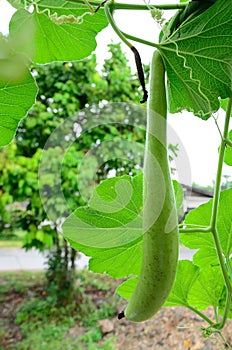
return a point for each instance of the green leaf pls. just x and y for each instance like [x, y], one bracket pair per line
[206, 256]
[223, 103]
[187, 274]
[56, 31]
[208, 288]
[198, 59]
[108, 236]
[204, 241]
[16, 3]
[117, 262]
[126, 289]
[113, 217]
[17, 92]
[228, 153]
[179, 193]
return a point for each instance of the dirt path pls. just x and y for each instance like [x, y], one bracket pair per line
[172, 328]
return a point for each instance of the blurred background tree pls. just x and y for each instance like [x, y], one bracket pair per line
[65, 90]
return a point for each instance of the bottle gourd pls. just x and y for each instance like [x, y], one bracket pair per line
[160, 225]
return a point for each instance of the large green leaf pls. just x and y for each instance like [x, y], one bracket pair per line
[223, 104]
[126, 289]
[208, 289]
[198, 59]
[204, 241]
[113, 217]
[109, 230]
[56, 31]
[228, 153]
[117, 262]
[16, 3]
[187, 273]
[17, 92]
[179, 193]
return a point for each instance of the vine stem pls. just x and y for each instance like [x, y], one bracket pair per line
[213, 222]
[197, 229]
[228, 142]
[125, 6]
[122, 6]
[140, 40]
[109, 8]
[220, 166]
[199, 313]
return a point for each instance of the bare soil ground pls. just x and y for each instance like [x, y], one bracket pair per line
[174, 328]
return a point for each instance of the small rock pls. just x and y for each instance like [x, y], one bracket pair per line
[187, 343]
[106, 326]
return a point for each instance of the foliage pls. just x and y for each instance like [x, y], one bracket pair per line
[198, 82]
[197, 57]
[61, 97]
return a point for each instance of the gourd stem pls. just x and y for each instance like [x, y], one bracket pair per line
[109, 7]
[139, 40]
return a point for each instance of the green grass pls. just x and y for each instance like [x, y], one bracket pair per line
[44, 326]
[19, 282]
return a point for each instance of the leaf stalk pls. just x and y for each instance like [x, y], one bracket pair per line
[140, 40]
[197, 229]
[213, 223]
[228, 142]
[199, 313]
[126, 6]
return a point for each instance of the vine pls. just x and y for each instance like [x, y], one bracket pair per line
[111, 6]
[195, 50]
